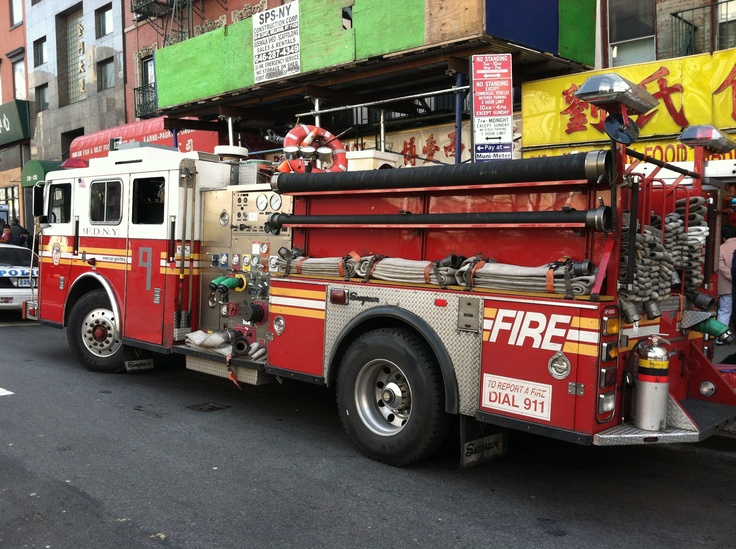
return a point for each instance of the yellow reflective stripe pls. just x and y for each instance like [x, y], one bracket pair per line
[295, 311]
[309, 294]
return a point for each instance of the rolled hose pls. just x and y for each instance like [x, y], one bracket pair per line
[600, 219]
[591, 166]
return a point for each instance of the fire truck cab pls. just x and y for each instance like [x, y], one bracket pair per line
[539, 294]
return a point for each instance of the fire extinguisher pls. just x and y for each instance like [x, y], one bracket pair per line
[652, 386]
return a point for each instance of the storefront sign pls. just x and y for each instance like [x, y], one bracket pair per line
[699, 89]
[14, 121]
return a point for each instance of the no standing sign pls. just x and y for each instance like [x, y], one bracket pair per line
[493, 107]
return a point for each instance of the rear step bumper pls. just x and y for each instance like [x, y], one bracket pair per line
[687, 421]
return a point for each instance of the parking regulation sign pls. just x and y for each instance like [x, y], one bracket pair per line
[493, 107]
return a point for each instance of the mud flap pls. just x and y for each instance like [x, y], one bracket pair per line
[136, 359]
[480, 442]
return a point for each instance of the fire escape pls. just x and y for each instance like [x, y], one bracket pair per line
[704, 29]
[174, 21]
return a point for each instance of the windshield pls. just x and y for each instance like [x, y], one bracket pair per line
[16, 257]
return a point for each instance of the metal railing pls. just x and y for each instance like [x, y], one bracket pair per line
[145, 101]
[704, 29]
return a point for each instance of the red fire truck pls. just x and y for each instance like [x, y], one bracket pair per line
[565, 296]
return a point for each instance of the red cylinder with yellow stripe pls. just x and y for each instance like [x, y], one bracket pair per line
[652, 387]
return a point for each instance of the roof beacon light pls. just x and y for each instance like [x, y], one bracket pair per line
[620, 98]
[707, 136]
[608, 91]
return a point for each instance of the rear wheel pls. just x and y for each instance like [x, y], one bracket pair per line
[92, 334]
[391, 398]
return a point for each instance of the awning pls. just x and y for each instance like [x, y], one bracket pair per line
[95, 145]
[36, 170]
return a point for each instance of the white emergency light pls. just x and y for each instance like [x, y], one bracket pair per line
[707, 136]
[608, 91]
[621, 98]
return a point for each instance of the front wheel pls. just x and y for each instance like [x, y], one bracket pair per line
[92, 334]
[390, 397]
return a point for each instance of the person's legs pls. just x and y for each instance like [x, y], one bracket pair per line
[725, 303]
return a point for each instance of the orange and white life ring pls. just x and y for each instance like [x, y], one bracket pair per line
[304, 143]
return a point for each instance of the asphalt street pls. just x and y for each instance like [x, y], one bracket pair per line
[169, 458]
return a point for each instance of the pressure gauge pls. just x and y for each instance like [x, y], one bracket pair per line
[246, 260]
[275, 201]
[236, 260]
[264, 247]
[262, 202]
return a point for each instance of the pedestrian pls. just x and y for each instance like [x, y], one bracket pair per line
[7, 236]
[24, 239]
[725, 280]
[16, 228]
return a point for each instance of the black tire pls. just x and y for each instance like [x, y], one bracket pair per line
[92, 335]
[391, 397]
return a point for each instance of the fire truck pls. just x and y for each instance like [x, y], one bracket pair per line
[568, 296]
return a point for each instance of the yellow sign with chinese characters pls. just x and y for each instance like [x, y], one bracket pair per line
[699, 89]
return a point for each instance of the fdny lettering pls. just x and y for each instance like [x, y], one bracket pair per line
[528, 328]
[100, 231]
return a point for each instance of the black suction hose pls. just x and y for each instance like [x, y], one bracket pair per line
[599, 219]
[590, 166]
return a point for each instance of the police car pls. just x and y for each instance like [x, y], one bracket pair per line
[18, 276]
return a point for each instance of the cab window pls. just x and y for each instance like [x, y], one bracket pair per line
[105, 201]
[60, 206]
[149, 196]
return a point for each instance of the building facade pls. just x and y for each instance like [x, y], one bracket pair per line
[76, 81]
[14, 108]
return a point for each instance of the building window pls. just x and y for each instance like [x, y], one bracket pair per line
[40, 52]
[105, 200]
[106, 74]
[42, 97]
[103, 21]
[19, 79]
[631, 31]
[16, 12]
[148, 74]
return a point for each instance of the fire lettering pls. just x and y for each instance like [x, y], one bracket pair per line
[729, 82]
[530, 328]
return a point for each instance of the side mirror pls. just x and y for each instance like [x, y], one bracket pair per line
[38, 204]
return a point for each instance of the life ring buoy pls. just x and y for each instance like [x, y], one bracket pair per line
[306, 142]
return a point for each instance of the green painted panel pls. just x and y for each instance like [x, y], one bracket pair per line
[324, 42]
[386, 26]
[185, 72]
[577, 30]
